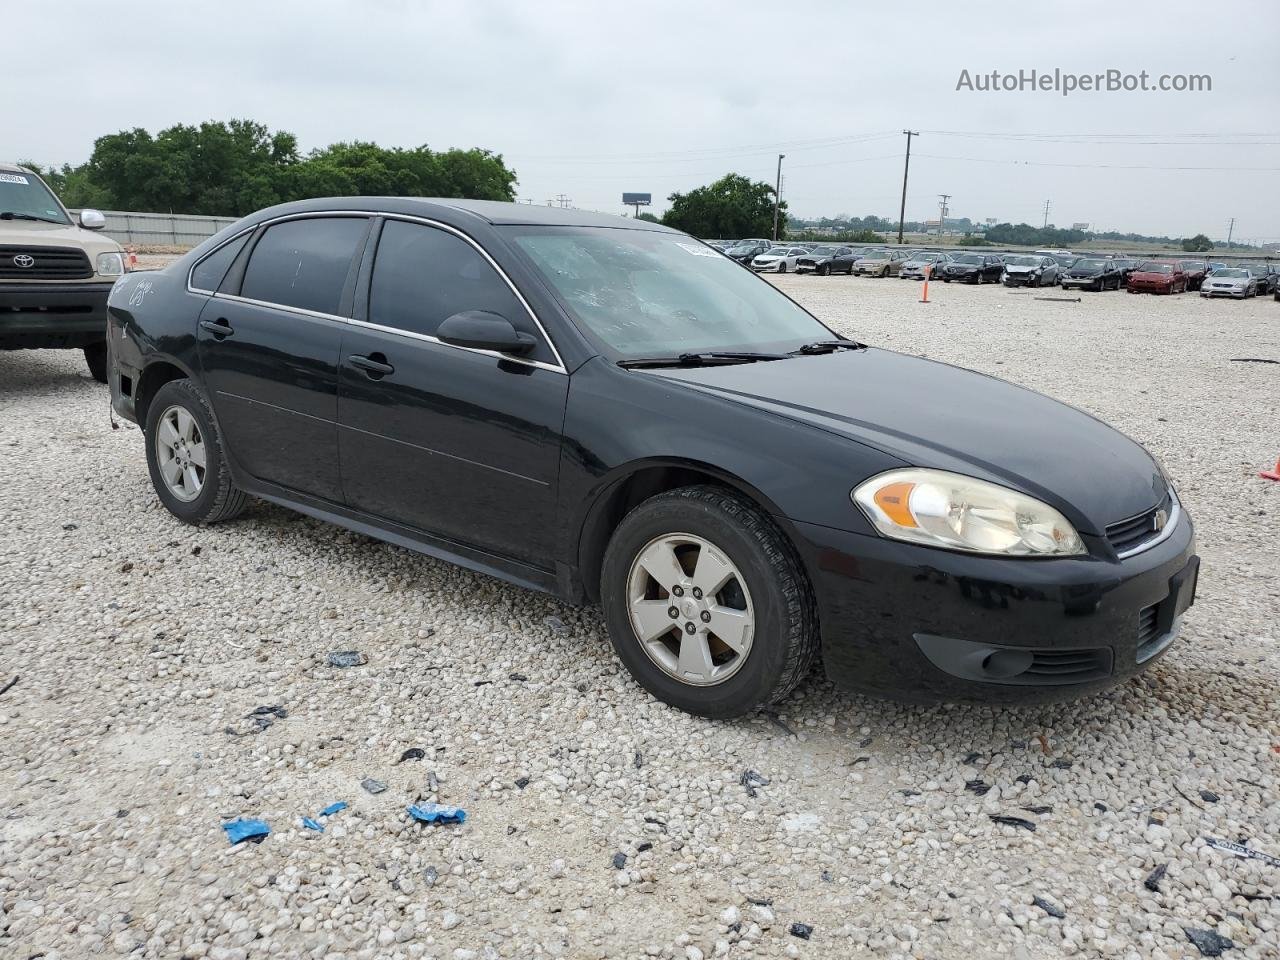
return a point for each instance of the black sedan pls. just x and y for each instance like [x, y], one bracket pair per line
[973, 268]
[1093, 273]
[828, 259]
[609, 411]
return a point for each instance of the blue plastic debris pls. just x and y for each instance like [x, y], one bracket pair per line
[436, 813]
[333, 808]
[312, 824]
[238, 830]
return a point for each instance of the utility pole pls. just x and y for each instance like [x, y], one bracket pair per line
[1231, 227]
[777, 197]
[942, 213]
[563, 200]
[1046, 214]
[902, 210]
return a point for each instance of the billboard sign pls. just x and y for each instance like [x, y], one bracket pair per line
[637, 199]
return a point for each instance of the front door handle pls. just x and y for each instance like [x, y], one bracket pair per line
[219, 328]
[375, 365]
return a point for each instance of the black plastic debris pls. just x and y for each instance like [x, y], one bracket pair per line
[642, 847]
[346, 658]
[10, 685]
[373, 786]
[71, 526]
[1208, 796]
[522, 782]
[752, 781]
[1061, 764]
[972, 758]
[801, 930]
[1210, 943]
[1052, 909]
[1043, 808]
[910, 793]
[481, 683]
[866, 742]
[518, 677]
[1100, 807]
[265, 716]
[980, 787]
[1012, 821]
[413, 753]
[619, 861]
[195, 551]
[638, 760]
[1152, 882]
[510, 830]
[760, 901]
[657, 823]
[1024, 778]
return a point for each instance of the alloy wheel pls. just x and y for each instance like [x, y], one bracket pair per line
[690, 609]
[180, 453]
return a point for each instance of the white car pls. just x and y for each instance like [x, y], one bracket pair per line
[777, 259]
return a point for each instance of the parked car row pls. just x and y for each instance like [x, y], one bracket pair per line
[1044, 268]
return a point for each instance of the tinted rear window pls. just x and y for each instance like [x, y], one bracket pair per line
[209, 272]
[304, 263]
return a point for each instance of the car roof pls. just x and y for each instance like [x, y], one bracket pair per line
[453, 209]
[12, 168]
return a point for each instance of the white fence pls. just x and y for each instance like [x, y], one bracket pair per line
[161, 229]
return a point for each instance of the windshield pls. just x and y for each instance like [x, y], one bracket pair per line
[1231, 273]
[1088, 265]
[1022, 261]
[22, 195]
[823, 252]
[968, 258]
[642, 293]
[1150, 266]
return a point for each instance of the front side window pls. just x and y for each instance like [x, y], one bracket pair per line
[24, 197]
[641, 293]
[423, 275]
[304, 263]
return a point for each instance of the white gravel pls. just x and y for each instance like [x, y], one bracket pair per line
[140, 645]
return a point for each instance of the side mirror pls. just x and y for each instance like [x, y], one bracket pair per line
[482, 330]
[92, 220]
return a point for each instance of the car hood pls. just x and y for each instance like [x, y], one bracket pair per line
[28, 233]
[1084, 271]
[1019, 268]
[1150, 275]
[932, 414]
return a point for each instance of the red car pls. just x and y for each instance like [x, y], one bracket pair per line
[1196, 271]
[1157, 276]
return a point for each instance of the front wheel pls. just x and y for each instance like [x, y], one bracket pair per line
[782, 267]
[823, 270]
[707, 603]
[95, 357]
[184, 455]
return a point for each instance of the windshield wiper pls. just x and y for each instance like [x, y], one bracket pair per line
[705, 359]
[829, 346]
[10, 215]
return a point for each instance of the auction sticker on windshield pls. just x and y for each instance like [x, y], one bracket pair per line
[700, 251]
[13, 178]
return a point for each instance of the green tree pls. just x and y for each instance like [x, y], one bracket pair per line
[1197, 244]
[733, 206]
[647, 217]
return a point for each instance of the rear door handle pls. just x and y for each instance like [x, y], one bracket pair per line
[219, 328]
[375, 365]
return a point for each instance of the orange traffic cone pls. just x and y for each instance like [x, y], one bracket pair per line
[924, 293]
[1271, 474]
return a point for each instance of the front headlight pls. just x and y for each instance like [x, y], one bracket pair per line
[941, 509]
[110, 264]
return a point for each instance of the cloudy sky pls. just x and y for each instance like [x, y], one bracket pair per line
[591, 99]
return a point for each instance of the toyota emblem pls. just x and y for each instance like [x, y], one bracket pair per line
[24, 260]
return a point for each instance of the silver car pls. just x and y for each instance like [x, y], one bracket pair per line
[1029, 271]
[915, 265]
[1230, 282]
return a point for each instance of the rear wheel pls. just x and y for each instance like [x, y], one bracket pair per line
[707, 604]
[184, 455]
[95, 357]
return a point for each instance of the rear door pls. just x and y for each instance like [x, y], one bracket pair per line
[269, 342]
[460, 443]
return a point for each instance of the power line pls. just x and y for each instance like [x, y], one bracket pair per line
[1093, 166]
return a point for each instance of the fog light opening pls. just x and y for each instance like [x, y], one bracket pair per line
[1003, 664]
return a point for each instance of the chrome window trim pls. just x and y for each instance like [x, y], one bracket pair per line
[1175, 514]
[557, 367]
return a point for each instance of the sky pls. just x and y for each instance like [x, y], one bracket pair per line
[588, 100]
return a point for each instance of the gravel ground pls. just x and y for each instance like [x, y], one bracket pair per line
[601, 823]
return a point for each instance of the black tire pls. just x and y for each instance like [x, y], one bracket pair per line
[782, 267]
[219, 499]
[95, 357]
[823, 270]
[785, 639]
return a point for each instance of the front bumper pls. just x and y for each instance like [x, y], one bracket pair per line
[43, 315]
[969, 276]
[1148, 286]
[1019, 279]
[918, 624]
[1081, 282]
[1234, 292]
[767, 267]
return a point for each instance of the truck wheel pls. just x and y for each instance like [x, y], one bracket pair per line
[95, 356]
[185, 458]
[707, 604]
